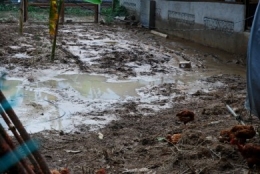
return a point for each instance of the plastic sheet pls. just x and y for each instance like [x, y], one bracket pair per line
[253, 67]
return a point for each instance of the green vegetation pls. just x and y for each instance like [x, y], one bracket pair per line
[38, 14]
[109, 13]
[8, 7]
[78, 11]
[10, 12]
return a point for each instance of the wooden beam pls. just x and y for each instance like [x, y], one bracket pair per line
[96, 14]
[25, 10]
[65, 4]
[62, 12]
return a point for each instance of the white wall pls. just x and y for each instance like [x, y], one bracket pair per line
[223, 11]
[215, 24]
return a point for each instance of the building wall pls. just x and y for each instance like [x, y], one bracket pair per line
[199, 11]
[219, 25]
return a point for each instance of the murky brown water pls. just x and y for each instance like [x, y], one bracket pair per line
[215, 60]
[94, 87]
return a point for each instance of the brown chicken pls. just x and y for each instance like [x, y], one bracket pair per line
[185, 116]
[251, 153]
[101, 171]
[173, 139]
[62, 171]
[241, 133]
[226, 136]
[55, 172]
[237, 134]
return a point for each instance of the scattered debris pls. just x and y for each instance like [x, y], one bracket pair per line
[72, 151]
[136, 170]
[185, 64]
[159, 34]
[100, 135]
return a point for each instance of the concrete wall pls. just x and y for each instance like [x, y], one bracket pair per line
[167, 10]
[219, 25]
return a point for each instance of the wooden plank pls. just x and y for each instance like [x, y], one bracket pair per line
[159, 34]
[96, 14]
[66, 4]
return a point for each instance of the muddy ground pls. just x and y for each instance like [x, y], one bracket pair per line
[135, 142]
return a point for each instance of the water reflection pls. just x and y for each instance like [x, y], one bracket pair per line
[94, 87]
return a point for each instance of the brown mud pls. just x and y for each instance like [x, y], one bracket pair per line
[135, 143]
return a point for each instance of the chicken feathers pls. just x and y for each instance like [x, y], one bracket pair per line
[242, 133]
[250, 153]
[185, 116]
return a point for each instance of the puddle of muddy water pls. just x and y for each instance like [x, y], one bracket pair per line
[36, 102]
[94, 87]
[40, 108]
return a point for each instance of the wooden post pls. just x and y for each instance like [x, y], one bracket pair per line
[6, 149]
[96, 13]
[25, 10]
[25, 136]
[19, 139]
[21, 17]
[247, 14]
[62, 12]
[113, 5]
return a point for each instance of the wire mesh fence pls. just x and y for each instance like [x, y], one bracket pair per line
[74, 11]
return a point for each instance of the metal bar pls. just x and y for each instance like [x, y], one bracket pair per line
[19, 139]
[26, 137]
[6, 149]
[238, 118]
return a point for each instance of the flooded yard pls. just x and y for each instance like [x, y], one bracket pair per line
[125, 84]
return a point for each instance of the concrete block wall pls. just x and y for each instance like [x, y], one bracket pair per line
[219, 25]
[201, 11]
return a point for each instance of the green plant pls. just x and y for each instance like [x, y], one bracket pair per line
[37, 9]
[8, 7]
[109, 13]
[78, 11]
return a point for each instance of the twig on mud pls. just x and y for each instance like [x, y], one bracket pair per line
[185, 171]
[198, 144]
[191, 168]
[174, 146]
[173, 150]
[202, 170]
[193, 171]
[215, 153]
[242, 166]
[177, 148]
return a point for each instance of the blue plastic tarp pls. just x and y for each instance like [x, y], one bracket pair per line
[253, 67]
